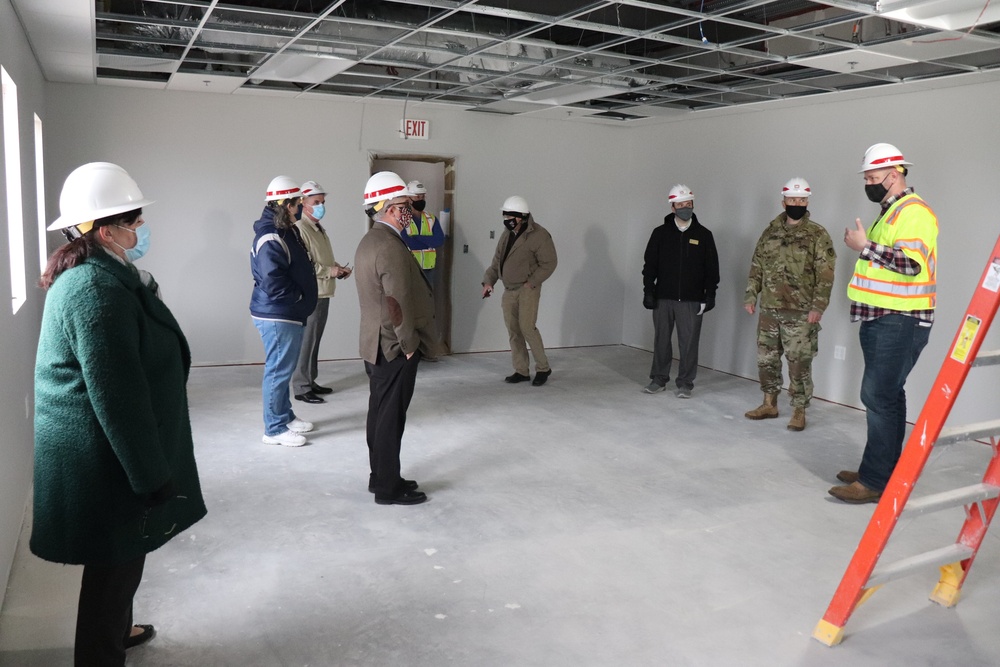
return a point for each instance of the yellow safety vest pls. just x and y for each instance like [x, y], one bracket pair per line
[911, 226]
[426, 258]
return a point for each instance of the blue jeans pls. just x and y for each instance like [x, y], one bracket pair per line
[282, 342]
[891, 345]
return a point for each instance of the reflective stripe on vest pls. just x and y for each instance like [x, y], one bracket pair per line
[426, 258]
[878, 286]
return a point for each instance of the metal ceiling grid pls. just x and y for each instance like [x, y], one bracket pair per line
[630, 59]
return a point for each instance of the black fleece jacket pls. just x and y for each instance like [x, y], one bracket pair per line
[683, 266]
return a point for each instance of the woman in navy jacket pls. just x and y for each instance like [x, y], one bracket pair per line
[284, 295]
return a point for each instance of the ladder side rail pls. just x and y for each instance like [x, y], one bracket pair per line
[940, 400]
[978, 519]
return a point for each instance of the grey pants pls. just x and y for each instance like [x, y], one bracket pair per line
[683, 314]
[305, 371]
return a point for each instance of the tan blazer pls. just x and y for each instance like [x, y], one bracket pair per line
[397, 306]
[531, 260]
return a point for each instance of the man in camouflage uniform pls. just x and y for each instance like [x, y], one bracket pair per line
[792, 271]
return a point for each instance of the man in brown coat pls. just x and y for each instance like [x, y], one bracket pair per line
[524, 259]
[397, 327]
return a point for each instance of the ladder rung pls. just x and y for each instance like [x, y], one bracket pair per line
[949, 554]
[990, 358]
[953, 434]
[953, 498]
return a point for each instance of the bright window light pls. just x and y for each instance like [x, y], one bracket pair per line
[43, 251]
[12, 164]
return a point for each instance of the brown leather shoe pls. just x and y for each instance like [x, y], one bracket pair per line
[847, 476]
[855, 493]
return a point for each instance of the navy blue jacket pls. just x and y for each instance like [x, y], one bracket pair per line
[284, 283]
[681, 266]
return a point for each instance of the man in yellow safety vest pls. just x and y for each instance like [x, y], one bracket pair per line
[424, 236]
[893, 294]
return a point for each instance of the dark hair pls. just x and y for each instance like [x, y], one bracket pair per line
[73, 253]
[283, 219]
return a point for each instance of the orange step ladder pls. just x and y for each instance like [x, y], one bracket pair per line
[862, 577]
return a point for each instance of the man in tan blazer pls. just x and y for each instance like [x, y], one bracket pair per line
[397, 328]
[525, 258]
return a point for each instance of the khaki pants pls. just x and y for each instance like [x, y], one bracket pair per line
[520, 310]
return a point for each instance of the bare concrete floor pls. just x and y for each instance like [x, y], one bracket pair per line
[581, 523]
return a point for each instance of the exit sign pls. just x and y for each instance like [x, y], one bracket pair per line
[410, 128]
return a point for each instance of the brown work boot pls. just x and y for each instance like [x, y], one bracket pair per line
[855, 493]
[847, 476]
[766, 410]
[798, 420]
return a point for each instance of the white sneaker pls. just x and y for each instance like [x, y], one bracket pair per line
[285, 439]
[299, 426]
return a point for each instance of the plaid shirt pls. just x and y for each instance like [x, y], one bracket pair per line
[895, 260]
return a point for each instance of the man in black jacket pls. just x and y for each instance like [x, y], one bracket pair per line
[680, 275]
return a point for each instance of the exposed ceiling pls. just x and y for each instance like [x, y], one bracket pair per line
[617, 61]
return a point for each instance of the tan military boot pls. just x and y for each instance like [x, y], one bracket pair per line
[798, 420]
[766, 410]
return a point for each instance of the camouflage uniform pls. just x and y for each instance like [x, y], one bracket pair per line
[792, 271]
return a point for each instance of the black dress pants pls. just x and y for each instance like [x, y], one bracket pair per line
[104, 615]
[391, 385]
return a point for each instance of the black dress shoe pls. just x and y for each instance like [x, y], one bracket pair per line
[515, 378]
[148, 632]
[320, 391]
[402, 498]
[404, 484]
[540, 378]
[309, 397]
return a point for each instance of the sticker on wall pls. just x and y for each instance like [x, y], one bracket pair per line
[992, 280]
[966, 337]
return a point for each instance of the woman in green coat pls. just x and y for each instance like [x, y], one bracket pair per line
[115, 474]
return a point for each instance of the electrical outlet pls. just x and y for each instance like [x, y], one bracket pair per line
[840, 352]
[465, 248]
[492, 233]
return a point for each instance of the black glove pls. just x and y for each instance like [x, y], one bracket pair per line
[648, 300]
[709, 303]
[161, 495]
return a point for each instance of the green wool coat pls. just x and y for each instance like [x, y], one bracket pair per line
[111, 419]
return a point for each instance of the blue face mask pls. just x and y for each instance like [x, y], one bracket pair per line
[141, 242]
[319, 210]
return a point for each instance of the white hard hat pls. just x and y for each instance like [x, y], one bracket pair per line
[680, 193]
[310, 188]
[96, 190]
[282, 187]
[881, 156]
[383, 186]
[516, 205]
[797, 187]
[416, 188]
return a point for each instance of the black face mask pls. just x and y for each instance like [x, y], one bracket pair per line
[510, 223]
[876, 192]
[298, 212]
[419, 204]
[795, 212]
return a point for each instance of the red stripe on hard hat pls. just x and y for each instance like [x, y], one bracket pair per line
[804, 189]
[379, 193]
[272, 193]
[887, 159]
